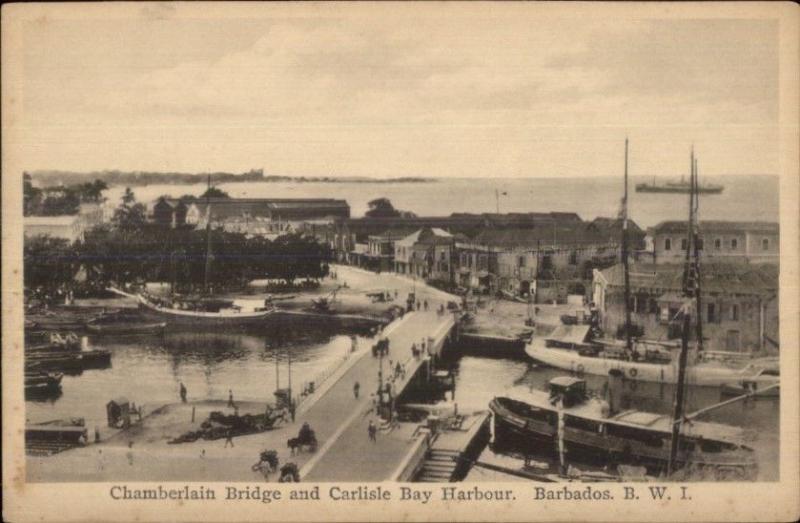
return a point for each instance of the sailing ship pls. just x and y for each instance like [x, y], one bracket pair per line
[682, 187]
[203, 311]
[566, 421]
[571, 347]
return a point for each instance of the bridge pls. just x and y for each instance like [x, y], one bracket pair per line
[340, 420]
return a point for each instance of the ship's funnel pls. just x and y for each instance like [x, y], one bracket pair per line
[615, 390]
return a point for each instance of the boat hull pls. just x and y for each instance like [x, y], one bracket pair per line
[512, 430]
[566, 359]
[202, 319]
[677, 190]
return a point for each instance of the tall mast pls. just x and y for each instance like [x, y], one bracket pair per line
[208, 236]
[626, 268]
[696, 246]
[688, 294]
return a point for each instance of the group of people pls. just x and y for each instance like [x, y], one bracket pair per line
[417, 352]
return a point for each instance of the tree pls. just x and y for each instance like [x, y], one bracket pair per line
[49, 264]
[129, 215]
[92, 191]
[31, 196]
[213, 192]
[381, 208]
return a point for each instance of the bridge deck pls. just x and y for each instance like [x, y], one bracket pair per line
[346, 453]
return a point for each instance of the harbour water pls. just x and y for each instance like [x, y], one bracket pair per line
[148, 370]
[744, 197]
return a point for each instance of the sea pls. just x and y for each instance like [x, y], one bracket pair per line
[750, 198]
[148, 370]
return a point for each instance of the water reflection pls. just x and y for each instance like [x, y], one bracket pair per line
[148, 369]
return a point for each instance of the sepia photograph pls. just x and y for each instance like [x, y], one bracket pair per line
[526, 253]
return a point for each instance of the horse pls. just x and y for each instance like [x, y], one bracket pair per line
[289, 474]
[267, 464]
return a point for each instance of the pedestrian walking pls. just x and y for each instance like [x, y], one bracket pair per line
[398, 369]
[229, 438]
[230, 398]
[425, 304]
[418, 304]
[395, 294]
[356, 388]
[183, 393]
[372, 430]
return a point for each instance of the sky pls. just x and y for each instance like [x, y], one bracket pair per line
[428, 92]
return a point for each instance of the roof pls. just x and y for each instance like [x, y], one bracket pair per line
[392, 234]
[428, 236]
[62, 220]
[544, 236]
[716, 277]
[304, 207]
[565, 381]
[575, 334]
[718, 226]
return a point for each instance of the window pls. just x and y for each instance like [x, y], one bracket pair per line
[711, 313]
[765, 244]
[734, 244]
[718, 243]
[668, 244]
[734, 312]
[684, 244]
[521, 261]
[700, 244]
[573, 258]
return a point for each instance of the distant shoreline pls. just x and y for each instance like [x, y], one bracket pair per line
[141, 178]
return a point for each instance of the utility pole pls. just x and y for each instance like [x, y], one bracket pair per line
[208, 237]
[625, 266]
[696, 246]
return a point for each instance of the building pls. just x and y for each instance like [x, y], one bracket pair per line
[427, 253]
[348, 232]
[274, 209]
[739, 303]
[755, 242]
[175, 212]
[256, 227]
[170, 212]
[380, 251]
[524, 262]
[67, 227]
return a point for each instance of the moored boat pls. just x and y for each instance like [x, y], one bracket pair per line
[591, 429]
[653, 362]
[42, 381]
[230, 314]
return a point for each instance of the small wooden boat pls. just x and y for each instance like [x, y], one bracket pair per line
[43, 381]
[54, 361]
[591, 429]
[55, 436]
[96, 358]
[120, 326]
